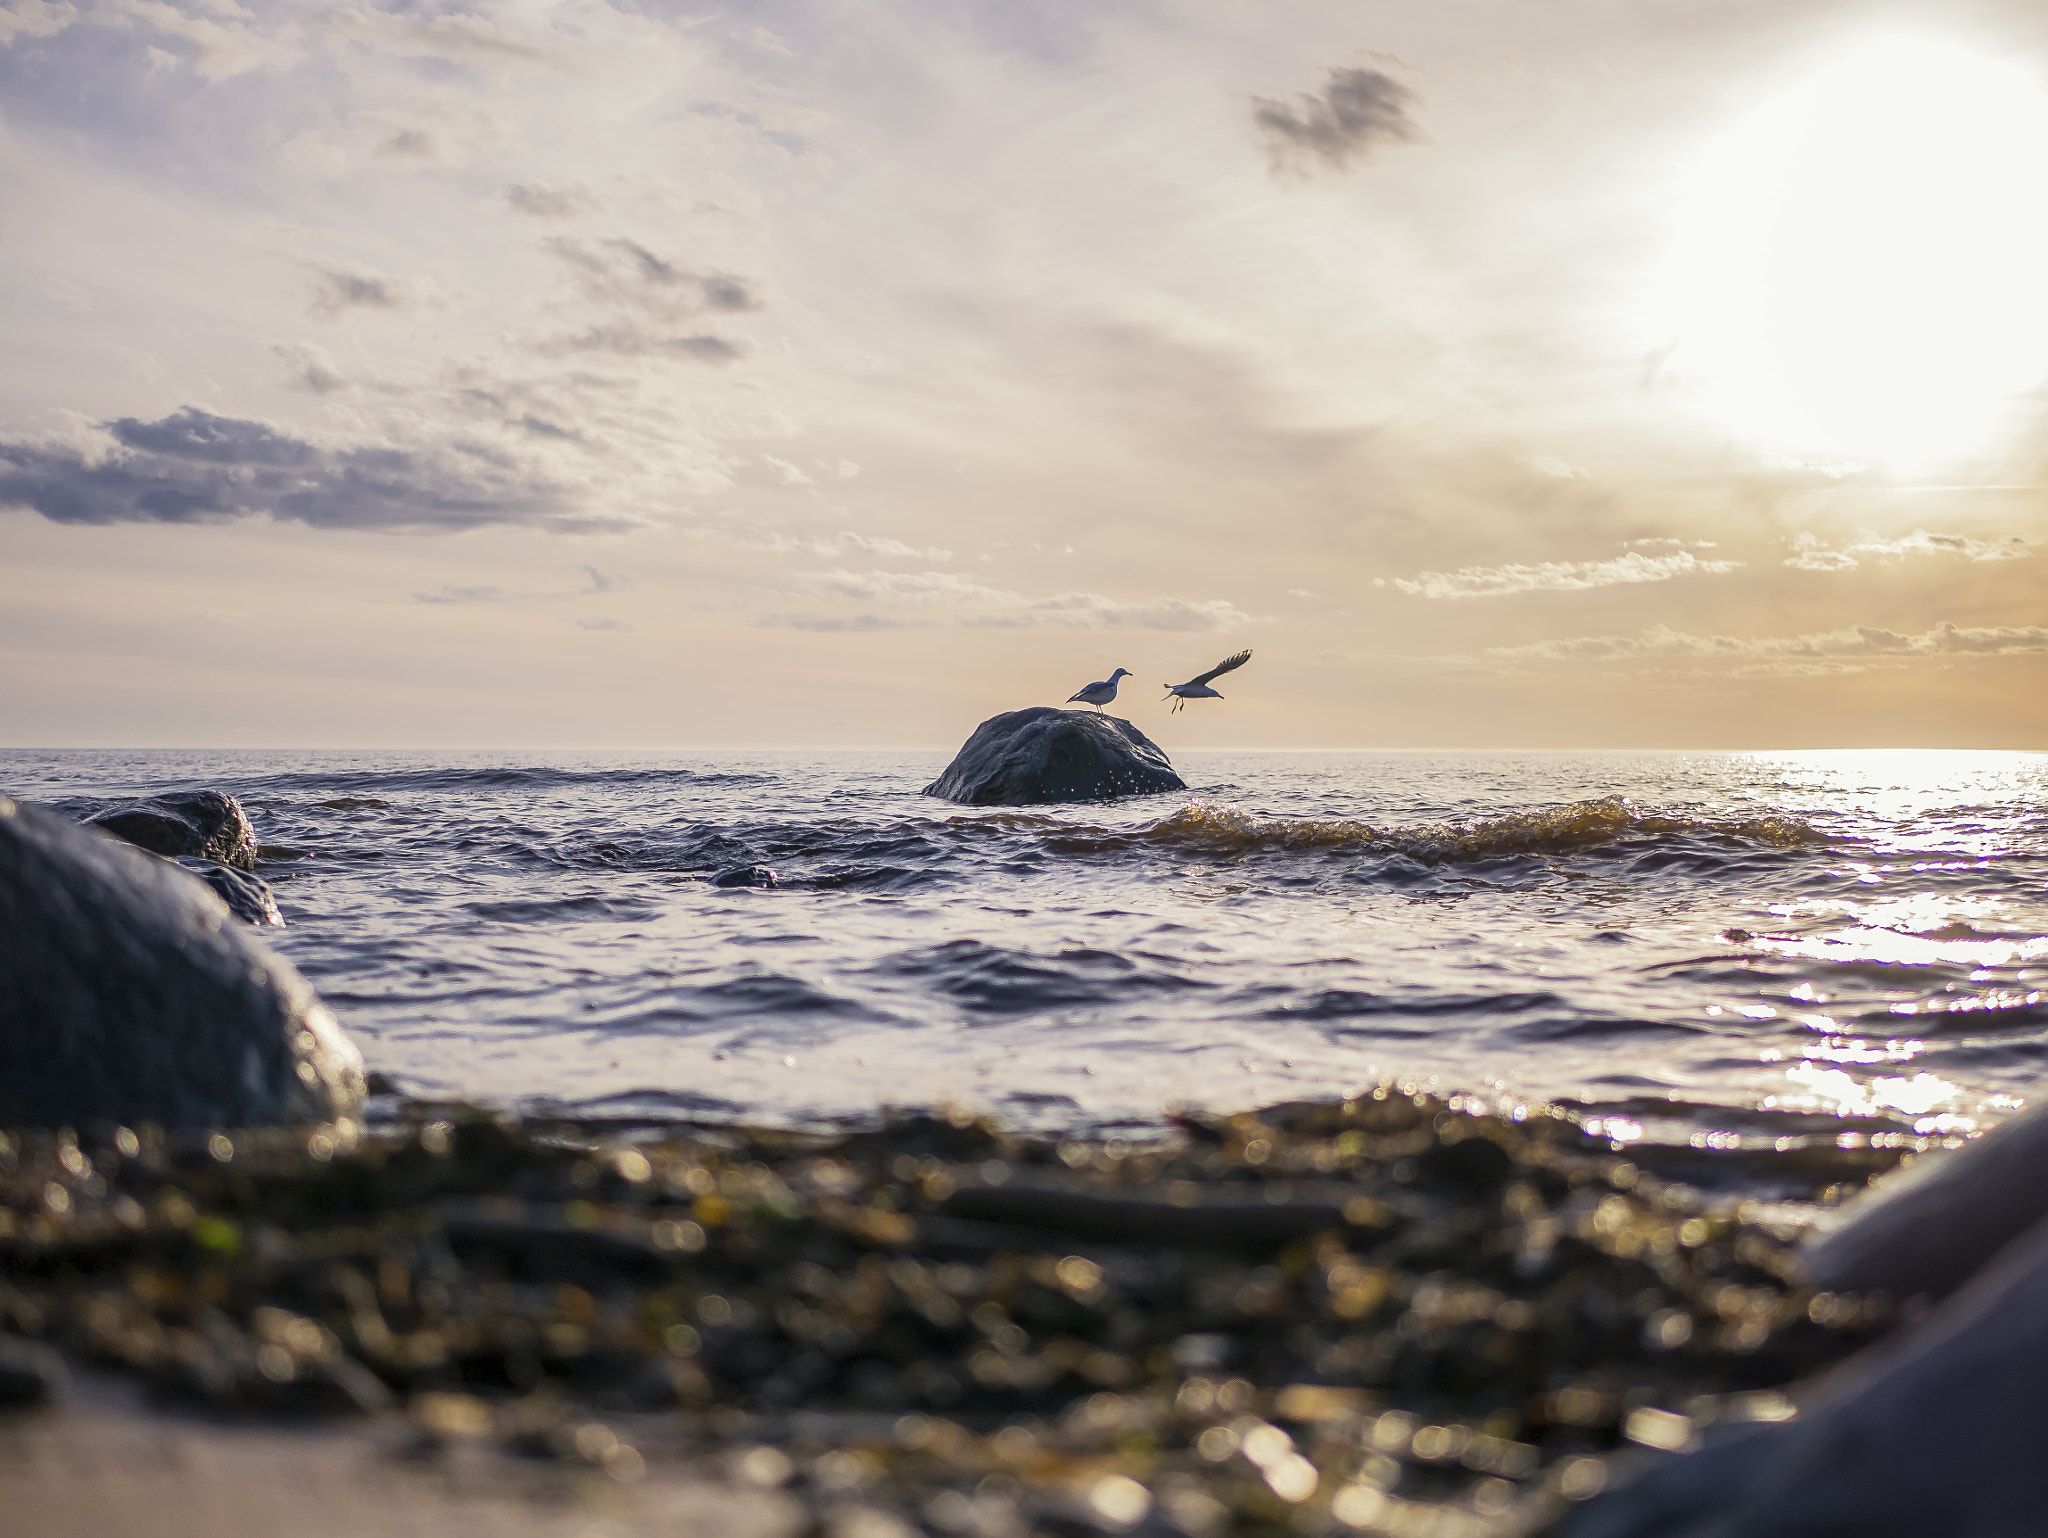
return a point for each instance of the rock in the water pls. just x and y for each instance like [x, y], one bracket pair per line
[1047, 754]
[745, 875]
[128, 994]
[205, 824]
[1936, 1223]
[248, 897]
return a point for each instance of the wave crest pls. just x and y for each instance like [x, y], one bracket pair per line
[1571, 828]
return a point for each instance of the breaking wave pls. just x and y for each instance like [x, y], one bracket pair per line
[1576, 827]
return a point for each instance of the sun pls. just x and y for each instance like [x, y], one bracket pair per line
[1858, 267]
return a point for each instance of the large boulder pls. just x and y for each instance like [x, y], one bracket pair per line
[205, 824]
[1044, 754]
[128, 994]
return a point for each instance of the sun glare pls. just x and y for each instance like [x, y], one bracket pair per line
[1855, 268]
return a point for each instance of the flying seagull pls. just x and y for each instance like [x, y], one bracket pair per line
[1100, 694]
[1197, 688]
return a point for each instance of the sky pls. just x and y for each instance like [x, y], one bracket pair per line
[817, 373]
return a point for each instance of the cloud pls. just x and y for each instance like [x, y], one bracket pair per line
[1092, 610]
[618, 625]
[1856, 641]
[195, 467]
[1559, 576]
[835, 623]
[1357, 111]
[34, 18]
[625, 273]
[990, 608]
[409, 144]
[542, 202]
[310, 369]
[602, 582]
[336, 291]
[1811, 555]
[846, 540]
[637, 342]
[452, 594]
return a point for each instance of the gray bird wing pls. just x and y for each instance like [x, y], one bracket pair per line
[1225, 666]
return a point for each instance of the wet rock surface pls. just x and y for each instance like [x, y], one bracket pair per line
[1391, 1314]
[248, 897]
[129, 994]
[1045, 754]
[204, 824]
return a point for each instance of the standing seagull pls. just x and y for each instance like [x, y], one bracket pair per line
[1100, 694]
[1197, 688]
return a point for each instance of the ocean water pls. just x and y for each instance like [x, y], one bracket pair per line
[1680, 946]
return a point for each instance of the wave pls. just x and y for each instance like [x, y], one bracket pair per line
[502, 778]
[1574, 828]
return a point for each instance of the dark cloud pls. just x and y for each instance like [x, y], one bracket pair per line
[539, 202]
[195, 467]
[604, 582]
[655, 303]
[634, 341]
[408, 144]
[311, 370]
[335, 291]
[1357, 112]
[625, 273]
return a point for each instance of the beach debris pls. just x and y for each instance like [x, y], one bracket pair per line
[1392, 1313]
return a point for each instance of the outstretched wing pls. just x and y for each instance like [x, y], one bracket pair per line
[1225, 666]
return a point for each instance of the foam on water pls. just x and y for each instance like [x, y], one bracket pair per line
[1692, 944]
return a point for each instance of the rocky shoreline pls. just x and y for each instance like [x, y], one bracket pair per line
[1390, 1314]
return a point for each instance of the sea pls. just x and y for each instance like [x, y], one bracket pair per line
[1686, 948]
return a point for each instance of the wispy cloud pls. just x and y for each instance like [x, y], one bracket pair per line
[980, 607]
[1356, 112]
[836, 623]
[873, 546]
[1811, 555]
[1855, 642]
[1559, 576]
[481, 594]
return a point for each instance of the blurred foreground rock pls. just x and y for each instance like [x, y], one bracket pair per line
[203, 824]
[128, 995]
[1028, 757]
[1937, 1431]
